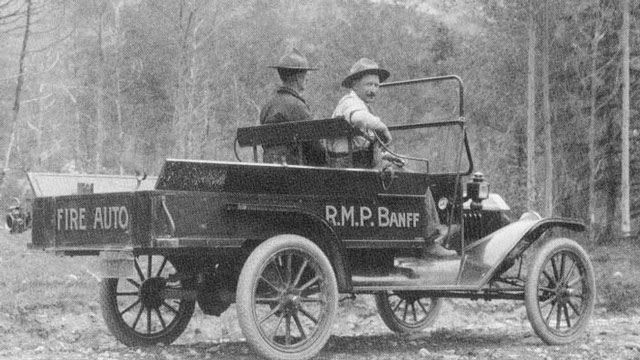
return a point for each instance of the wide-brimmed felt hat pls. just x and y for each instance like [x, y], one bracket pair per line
[364, 67]
[293, 60]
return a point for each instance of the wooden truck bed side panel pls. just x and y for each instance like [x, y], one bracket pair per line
[93, 221]
[200, 200]
[355, 202]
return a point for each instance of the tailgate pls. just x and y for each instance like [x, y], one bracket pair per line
[90, 223]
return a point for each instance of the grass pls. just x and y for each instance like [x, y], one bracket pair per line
[617, 273]
[35, 279]
[46, 299]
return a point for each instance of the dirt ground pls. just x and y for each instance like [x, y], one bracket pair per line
[49, 310]
[465, 330]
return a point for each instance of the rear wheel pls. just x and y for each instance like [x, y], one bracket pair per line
[407, 312]
[135, 310]
[560, 292]
[287, 298]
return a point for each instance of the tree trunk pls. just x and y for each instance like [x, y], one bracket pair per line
[625, 222]
[548, 145]
[531, 111]
[100, 100]
[40, 125]
[182, 113]
[607, 233]
[124, 150]
[18, 93]
[593, 73]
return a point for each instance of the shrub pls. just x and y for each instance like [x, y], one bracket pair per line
[619, 295]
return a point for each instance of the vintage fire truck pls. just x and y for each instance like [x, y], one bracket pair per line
[283, 242]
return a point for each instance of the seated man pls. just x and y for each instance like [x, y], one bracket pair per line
[364, 80]
[289, 105]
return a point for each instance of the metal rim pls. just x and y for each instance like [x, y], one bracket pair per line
[563, 293]
[410, 309]
[139, 300]
[290, 299]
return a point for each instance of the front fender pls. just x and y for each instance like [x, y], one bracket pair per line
[483, 258]
[323, 234]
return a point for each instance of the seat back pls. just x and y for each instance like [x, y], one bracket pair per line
[295, 132]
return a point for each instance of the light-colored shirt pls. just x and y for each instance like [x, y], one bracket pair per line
[347, 106]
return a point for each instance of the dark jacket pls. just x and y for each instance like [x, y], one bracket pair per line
[285, 106]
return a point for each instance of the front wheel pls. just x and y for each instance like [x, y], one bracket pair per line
[135, 310]
[287, 298]
[560, 291]
[407, 312]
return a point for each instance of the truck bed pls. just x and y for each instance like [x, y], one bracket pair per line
[222, 204]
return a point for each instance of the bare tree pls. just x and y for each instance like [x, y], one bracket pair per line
[531, 109]
[117, 8]
[593, 109]
[18, 92]
[193, 96]
[10, 13]
[548, 140]
[624, 201]
[100, 98]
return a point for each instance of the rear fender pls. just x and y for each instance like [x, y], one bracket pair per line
[315, 228]
[496, 252]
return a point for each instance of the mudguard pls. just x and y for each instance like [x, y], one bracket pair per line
[328, 240]
[484, 258]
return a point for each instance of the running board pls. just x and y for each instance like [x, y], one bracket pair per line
[412, 274]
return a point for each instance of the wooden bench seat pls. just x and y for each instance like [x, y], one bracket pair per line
[296, 132]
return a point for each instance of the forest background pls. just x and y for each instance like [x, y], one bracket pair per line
[117, 86]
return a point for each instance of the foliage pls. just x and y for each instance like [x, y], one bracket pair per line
[620, 296]
[616, 273]
[118, 86]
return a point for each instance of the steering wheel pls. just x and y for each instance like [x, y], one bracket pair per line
[399, 162]
[396, 159]
[387, 154]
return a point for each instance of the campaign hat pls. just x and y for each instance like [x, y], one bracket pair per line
[364, 67]
[293, 60]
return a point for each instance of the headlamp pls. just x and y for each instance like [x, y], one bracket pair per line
[477, 188]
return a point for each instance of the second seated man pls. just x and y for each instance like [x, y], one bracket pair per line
[364, 81]
[288, 105]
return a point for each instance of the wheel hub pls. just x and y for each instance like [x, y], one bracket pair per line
[290, 301]
[563, 293]
[150, 292]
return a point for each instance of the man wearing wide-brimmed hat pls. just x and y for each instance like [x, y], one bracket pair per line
[288, 105]
[364, 80]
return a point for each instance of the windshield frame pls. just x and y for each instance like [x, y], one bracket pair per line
[461, 121]
[465, 141]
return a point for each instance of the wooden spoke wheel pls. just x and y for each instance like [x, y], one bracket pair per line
[407, 312]
[287, 298]
[560, 291]
[135, 310]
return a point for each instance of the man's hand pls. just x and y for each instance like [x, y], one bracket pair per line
[366, 121]
[384, 135]
[393, 159]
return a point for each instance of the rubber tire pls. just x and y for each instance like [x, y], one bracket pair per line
[548, 250]
[398, 326]
[128, 336]
[249, 276]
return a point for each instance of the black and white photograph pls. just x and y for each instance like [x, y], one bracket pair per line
[320, 179]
